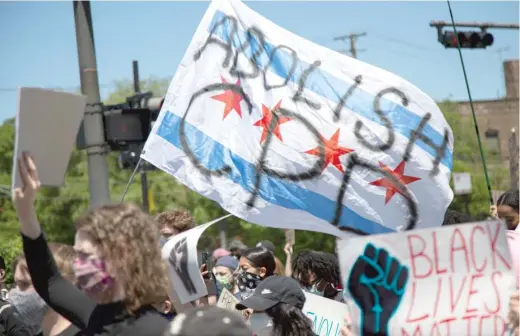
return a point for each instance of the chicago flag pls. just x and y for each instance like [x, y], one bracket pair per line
[285, 133]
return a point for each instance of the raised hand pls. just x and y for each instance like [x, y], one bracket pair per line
[377, 283]
[24, 197]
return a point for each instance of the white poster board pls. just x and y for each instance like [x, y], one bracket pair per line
[180, 254]
[452, 280]
[47, 123]
[462, 183]
[327, 315]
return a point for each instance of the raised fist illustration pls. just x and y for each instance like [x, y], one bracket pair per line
[179, 261]
[377, 283]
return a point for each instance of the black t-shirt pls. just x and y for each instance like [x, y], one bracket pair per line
[74, 305]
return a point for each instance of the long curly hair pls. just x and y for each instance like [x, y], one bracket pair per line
[129, 241]
[289, 321]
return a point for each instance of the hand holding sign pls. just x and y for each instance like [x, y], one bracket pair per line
[377, 283]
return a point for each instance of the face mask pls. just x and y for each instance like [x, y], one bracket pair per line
[29, 308]
[247, 282]
[169, 316]
[223, 282]
[314, 290]
[261, 324]
[92, 276]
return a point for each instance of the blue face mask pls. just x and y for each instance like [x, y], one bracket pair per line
[314, 290]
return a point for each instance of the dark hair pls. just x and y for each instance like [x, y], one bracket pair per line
[261, 257]
[323, 264]
[509, 198]
[2, 263]
[454, 217]
[289, 321]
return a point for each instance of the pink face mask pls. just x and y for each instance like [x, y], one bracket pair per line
[92, 276]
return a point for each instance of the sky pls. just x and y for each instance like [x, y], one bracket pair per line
[39, 43]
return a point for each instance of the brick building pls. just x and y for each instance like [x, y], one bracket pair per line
[497, 118]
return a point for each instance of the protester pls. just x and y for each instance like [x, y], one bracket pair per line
[172, 223]
[318, 273]
[507, 209]
[256, 264]
[224, 269]
[236, 248]
[118, 269]
[29, 308]
[282, 300]
[208, 321]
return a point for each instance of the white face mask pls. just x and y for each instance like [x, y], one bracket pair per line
[261, 324]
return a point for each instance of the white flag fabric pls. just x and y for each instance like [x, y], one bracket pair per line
[285, 133]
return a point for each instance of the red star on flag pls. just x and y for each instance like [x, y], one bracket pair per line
[398, 173]
[266, 121]
[332, 151]
[231, 98]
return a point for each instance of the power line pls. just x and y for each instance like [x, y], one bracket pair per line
[353, 39]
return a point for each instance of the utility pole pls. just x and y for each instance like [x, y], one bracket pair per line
[353, 39]
[93, 119]
[144, 177]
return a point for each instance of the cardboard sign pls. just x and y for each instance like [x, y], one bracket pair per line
[180, 254]
[452, 280]
[229, 301]
[290, 236]
[47, 123]
[327, 315]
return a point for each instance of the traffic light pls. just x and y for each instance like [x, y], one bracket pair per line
[124, 127]
[469, 39]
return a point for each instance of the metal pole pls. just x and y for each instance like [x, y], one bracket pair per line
[144, 177]
[93, 119]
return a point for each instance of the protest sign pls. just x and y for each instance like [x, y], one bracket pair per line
[180, 254]
[284, 133]
[229, 301]
[47, 123]
[453, 280]
[327, 315]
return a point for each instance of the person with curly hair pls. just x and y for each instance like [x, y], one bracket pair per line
[171, 223]
[318, 273]
[119, 270]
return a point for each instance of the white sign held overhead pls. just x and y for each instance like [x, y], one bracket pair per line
[452, 280]
[462, 183]
[180, 254]
[47, 124]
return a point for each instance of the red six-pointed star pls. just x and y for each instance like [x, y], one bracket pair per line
[332, 151]
[398, 173]
[231, 98]
[266, 121]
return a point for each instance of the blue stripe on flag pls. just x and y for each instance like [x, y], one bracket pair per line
[214, 155]
[332, 88]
